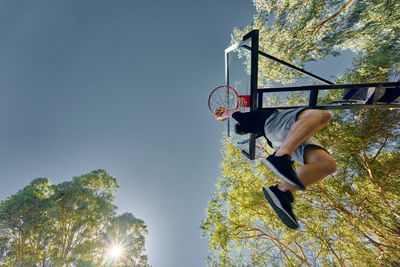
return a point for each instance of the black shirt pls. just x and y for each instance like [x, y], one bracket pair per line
[253, 121]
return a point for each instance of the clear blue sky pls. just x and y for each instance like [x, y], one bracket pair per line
[120, 85]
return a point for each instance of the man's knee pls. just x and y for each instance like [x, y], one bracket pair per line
[326, 116]
[330, 166]
[321, 157]
[322, 116]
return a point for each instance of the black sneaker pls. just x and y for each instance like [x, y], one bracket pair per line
[283, 167]
[281, 203]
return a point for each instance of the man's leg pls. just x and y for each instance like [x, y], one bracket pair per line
[308, 122]
[318, 165]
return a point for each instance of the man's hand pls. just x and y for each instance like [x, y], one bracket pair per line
[222, 113]
[219, 112]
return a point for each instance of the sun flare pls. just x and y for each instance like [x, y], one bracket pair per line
[116, 252]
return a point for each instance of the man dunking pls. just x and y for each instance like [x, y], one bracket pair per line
[289, 132]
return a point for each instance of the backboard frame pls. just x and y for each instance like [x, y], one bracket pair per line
[257, 94]
[253, 38]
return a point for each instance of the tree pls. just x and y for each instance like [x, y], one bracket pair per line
[25, 227]
[125, 233]
[302, 31]
[351, 219]
[66, 224]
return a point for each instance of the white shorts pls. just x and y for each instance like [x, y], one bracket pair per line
[277, 127]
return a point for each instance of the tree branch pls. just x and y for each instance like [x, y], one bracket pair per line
[318, 27]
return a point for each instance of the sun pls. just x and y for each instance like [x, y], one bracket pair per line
[115, 252]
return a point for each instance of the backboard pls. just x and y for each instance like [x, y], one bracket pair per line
[241, 73]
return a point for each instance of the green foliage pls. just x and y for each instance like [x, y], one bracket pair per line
[125, 231]
[302, 31]
[66, 224]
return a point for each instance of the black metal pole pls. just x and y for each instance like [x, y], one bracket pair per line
[384, 102]
[253, 85]
[313, 93]
[291, 66]
[391, 85]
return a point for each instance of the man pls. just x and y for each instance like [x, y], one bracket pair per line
[289, 132]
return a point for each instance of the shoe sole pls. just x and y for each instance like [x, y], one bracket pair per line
[271, 166]
[279, 210]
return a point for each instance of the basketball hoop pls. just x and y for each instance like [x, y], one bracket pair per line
[227, 98]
